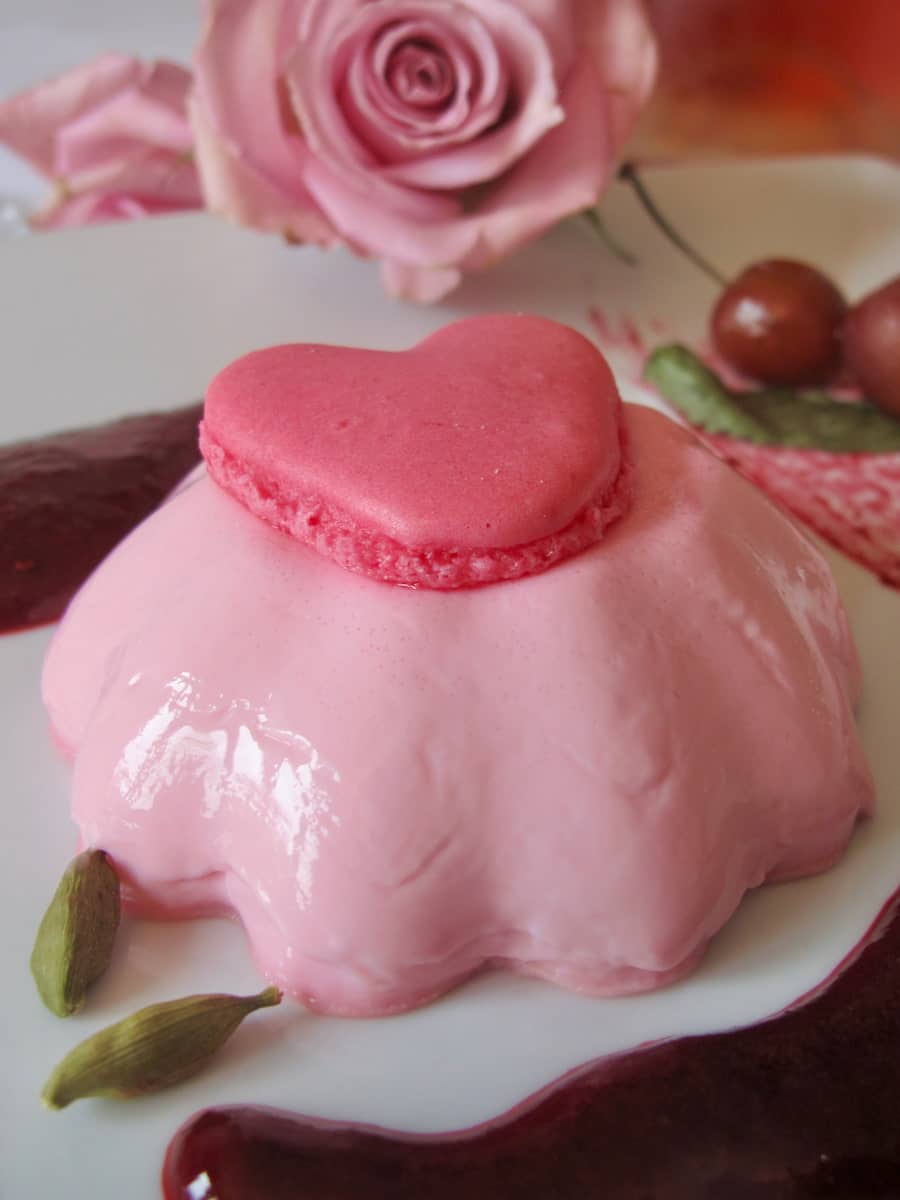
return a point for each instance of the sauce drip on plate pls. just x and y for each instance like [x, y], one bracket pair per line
[68, 499]
[802, 1106]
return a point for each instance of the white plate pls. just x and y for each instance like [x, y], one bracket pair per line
[122, 319]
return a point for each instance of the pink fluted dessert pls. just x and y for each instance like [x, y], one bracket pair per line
[576, 773]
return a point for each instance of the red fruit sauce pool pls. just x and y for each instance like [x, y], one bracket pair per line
[68, 499]
[805, 1105]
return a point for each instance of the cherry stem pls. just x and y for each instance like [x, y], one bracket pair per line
[628, 174]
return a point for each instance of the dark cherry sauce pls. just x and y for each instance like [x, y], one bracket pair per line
[68, 499]
[806, 1105]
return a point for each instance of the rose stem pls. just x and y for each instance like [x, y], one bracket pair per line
[612, 244]
[628, 173]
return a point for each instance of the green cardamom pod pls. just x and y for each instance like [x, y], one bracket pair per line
[75, 940]
[153, 1048]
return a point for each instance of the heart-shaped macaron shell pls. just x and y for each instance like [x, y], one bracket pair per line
[491, 450]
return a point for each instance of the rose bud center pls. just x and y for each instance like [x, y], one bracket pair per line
[420, 74]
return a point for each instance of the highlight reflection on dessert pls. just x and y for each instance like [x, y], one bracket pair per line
[289, 695]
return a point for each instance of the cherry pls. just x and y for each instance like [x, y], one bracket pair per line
[780, 322]
[872, 345]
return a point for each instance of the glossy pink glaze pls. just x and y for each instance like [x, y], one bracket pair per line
[491, 450]
[576, 775]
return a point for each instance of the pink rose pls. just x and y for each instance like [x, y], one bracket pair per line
[112, 135]
[436, 135]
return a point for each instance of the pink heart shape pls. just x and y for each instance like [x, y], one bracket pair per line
[491, 450]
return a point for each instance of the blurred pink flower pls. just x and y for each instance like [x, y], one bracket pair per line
[435, 135]
[113, 137]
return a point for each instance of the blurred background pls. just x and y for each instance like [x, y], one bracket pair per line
[764, 76]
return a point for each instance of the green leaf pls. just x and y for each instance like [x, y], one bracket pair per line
[805, 420]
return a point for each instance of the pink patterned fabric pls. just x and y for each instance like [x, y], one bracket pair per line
[851, 500]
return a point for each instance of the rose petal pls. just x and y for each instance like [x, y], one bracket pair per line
[531, 73]
[337, 157]
[238, 64]
[420, 76]
[556, 21]
[168, 84]
[410, 43]
[146, 173]
[314, 74]
[114, 135]
[142, 113]
[323, 21]
[344, 150]
[618, 35]
[417, 227]
[396, 130]
[382, 120]
[563, 175]
[91, 209]
[422, 284]
[333, 140]
[234, 189]
[29, 121]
